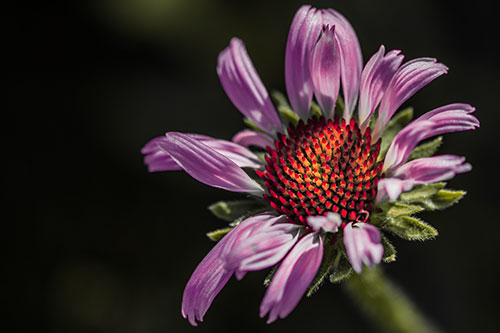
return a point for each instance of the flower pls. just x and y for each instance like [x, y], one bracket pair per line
[332, 176]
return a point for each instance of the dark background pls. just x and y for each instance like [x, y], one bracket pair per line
[100, 245]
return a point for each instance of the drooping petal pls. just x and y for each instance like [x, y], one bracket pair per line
[264, 247]
[325, 70]
[375, 78]
[362, 244]
[252, 138]
[351, 59]
[244, 87]
[304, 31]
[158, 159]
[409, 79]
[449, 118]
[211, 275]
[207, 165]
[292, 278]
[328, 223]
[420, 171]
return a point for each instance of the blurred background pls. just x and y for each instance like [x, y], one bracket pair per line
[100, 245]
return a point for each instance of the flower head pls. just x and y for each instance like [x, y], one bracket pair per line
[329, 177]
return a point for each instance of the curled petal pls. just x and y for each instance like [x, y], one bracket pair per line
[328, 223]
[375, 78]
[325, 70]
[252, 138]
[351, 59]
[211, 275]
[421, 171]
[450, 118]
[362, 244]
[158, 159]
[264, 247]
[244, 87]
[207, 165]
[409, 79]
[304, 31]
[292, 278]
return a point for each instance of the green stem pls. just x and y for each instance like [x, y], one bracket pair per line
[386, 304]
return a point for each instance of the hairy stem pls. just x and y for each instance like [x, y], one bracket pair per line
[386, 304]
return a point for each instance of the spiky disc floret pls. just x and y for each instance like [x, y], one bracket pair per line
[323, 166]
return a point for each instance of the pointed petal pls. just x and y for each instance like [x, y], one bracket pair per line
[375, 78]
[158, 159]
[362, 244]
[267, 244]
[304, 31]
[409, 79]
[421, 171]
[325, 70]
[292, 278]
[244, 87]
[450, 118]
[328, 223]
[351, 58]
[252, 138]
[211, 275]
[207, 165]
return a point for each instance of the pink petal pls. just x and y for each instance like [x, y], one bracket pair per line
[351, 59]
[325, 70]
[292, 278]
[409, 79]
[375, 78]
[158, 160]
[421, 171]
[449, 118]
[304, 31]
[264, 247]
[244, 87]
[328, 223]
[211, 275]
[362, 244]
[207, 165]
[248, 138]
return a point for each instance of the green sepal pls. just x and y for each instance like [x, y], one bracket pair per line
[269, 277]
[231, 210]
[390, 209]
[409, 228]
[217, 235]
[284, 109]
[253, 126]
[400, 120]
[339, 107]
[389, 250]
[315, 110]
[342, 269]
[420, 192]
[427, 149]
[327, 263]
[441, 199]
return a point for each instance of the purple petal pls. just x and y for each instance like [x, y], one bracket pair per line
[158, 160]
[264, 247]
[211, 274]
[362, 244]
[375, 78]
[304, 31]
[351, 59]
[409, 79]
[248, 138]
[325, 70]
[207, 165]
[449, 118]
[328, 223]
[421, 171]
[292, 278]
[244, 87]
